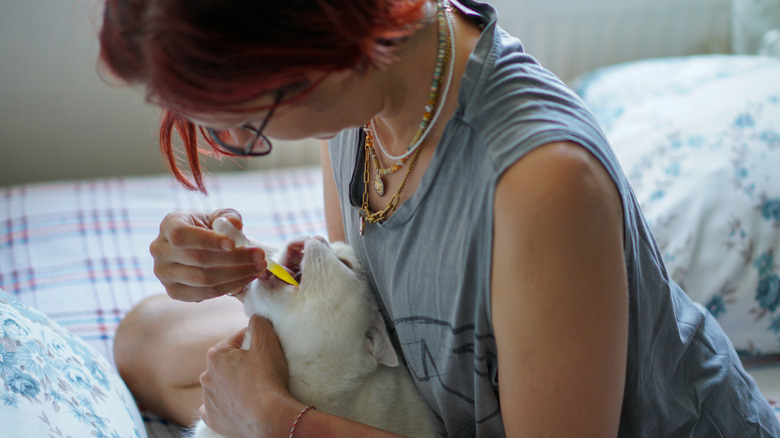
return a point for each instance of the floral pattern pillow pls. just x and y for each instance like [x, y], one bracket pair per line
[699, 139]
[52, 384]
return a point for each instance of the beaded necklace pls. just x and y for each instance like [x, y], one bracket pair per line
[444, 56]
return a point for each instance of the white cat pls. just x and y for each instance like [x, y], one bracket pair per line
[338, 351]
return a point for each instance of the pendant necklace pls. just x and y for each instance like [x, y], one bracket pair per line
[445, 56]
[365, 213]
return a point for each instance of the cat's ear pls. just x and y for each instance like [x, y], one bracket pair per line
[378, 343]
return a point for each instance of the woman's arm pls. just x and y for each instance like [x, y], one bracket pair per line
[333, 219]
[559, 295]
[245, 393]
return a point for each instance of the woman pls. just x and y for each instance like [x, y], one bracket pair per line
[521, 283]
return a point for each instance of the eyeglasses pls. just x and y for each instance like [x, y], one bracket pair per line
[246, 140]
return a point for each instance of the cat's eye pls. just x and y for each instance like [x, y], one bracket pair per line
[347, 263]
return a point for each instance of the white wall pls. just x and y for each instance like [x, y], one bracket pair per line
[571, 37]
[59, 120]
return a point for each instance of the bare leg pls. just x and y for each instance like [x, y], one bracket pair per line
[160, 351]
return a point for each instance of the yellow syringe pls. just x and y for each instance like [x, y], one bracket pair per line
[223, 226]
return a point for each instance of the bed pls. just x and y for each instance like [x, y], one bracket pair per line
[699, 137]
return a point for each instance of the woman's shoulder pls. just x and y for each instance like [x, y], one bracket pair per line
[514, 83]
[500, 70]
[558, 176]
[513, 104]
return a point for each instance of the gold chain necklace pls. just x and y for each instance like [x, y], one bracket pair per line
[379, 184]
[365, 211]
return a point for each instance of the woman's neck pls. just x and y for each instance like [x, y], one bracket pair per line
[406, 89]
[406, 84]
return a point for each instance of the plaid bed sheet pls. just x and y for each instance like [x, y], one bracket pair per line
[79, 251]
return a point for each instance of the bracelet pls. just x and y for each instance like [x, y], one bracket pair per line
[298, 418]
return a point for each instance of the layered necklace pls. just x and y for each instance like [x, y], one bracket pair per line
[437, 95]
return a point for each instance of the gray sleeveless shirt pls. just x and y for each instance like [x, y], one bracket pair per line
[430, 264]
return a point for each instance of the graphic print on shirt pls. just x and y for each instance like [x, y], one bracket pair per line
[429, 346]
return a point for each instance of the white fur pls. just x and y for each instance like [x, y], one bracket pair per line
[339, 354]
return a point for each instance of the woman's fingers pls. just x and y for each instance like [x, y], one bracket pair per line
[183, 232]
[196, 263]
[186, 229]
[210, 277]
[232, 342]
[207, 259]
[194, 283]
[228, 213]
[260, 329]
[183, 292]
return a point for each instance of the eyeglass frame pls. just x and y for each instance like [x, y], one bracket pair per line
[258, 133]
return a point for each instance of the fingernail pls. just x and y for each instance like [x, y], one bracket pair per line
[226, 245]
[257, 256]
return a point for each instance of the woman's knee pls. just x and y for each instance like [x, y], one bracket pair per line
[140, 332]
[166, 340]
[160, 350]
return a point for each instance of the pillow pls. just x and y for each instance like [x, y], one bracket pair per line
[699, 139]
[54, 384]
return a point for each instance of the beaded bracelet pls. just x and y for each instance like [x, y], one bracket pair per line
[298, 418]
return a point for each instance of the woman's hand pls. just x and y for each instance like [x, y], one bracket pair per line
[195, 263]
[245, 391]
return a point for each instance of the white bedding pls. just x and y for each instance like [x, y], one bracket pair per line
[699, 139]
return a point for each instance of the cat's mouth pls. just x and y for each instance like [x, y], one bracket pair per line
[291, 261]
[292, 258]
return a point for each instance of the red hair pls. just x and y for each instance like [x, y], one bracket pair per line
[197, 56]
